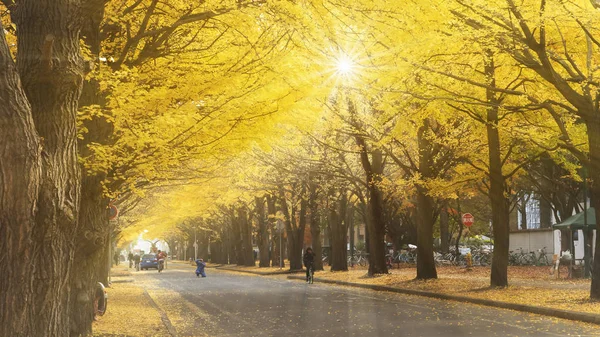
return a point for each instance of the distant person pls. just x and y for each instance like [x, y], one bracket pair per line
[200, 270]
[117, 258]
[136, 260]
[130, 259]
[309, 260]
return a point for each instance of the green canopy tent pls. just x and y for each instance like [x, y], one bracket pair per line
[577, 221]
[585, 221]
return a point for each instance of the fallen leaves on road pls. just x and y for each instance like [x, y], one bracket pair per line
[129, 314]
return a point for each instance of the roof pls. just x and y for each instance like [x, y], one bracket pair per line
[577, 221]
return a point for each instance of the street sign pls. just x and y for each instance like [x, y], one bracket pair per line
[280, 225]
[113, 212]
[468, 219]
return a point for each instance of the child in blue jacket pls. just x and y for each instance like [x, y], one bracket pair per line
[200, 270]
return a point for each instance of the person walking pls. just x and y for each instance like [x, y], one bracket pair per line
[136, 260]
[130, 259]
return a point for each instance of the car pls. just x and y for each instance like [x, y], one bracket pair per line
[148, 261]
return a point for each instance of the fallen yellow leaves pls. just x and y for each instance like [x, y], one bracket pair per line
[129, 314]
[530, 287]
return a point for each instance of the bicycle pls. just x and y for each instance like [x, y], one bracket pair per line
[161, 265]
[311, 273]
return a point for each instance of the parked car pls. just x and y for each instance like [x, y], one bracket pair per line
[149, 261]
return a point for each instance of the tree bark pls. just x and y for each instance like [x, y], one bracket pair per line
[315, 226]
[295, 228]
[43, 200]
[263, 233]
[20, 174]
[246, 231]
[425, 209]
[500, 204]
[338, 229]
[593, 131]
[277, 236]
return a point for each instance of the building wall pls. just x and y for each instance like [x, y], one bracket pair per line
[532, 240]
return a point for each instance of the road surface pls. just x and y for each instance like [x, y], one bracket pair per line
[232, 304]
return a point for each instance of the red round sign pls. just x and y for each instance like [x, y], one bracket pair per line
[468, 219]
[113, 212]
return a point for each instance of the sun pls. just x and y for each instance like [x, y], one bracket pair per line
[344, 65]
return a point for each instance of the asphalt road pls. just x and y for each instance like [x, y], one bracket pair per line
[231, 304]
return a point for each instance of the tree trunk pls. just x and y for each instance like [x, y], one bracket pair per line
[39, 199]
[593, 131]
[20, 174]
[376, 224]
[375, 230]
[246, 231]
[425, 210]
[500, 204]
[263, 233]
[315, 226]
[295, 229]
[523, 211]
[90, 255]
[338, 229]
[444, 229]
[277, 240]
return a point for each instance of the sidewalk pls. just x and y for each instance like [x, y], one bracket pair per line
[131, 311]
[559, 298]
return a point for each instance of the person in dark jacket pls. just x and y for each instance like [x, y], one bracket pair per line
[200, 270]
[309, 261]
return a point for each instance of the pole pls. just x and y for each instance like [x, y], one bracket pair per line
[195, 245]
[280, 251]
[586, 238]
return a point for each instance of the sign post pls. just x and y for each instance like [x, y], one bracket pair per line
[468, 219]
[280, 229]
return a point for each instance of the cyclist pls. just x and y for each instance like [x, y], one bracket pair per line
[161, 256]
[309, 261]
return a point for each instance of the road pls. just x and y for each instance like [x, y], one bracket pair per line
[231, 304]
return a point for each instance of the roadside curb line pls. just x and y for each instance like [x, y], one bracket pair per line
[163, 315]
[283, 272]
[558, 313]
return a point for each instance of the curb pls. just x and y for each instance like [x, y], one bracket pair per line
[261, 273]
[558, 313]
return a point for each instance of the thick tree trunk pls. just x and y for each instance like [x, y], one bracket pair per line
[375, 230]
[376, 223]
[90, 259]
[425, 209]
[295, 229]
[500, 204]
[50, 70]
[263, 233]
[593, 130]
[20, 173]
[338, 228]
